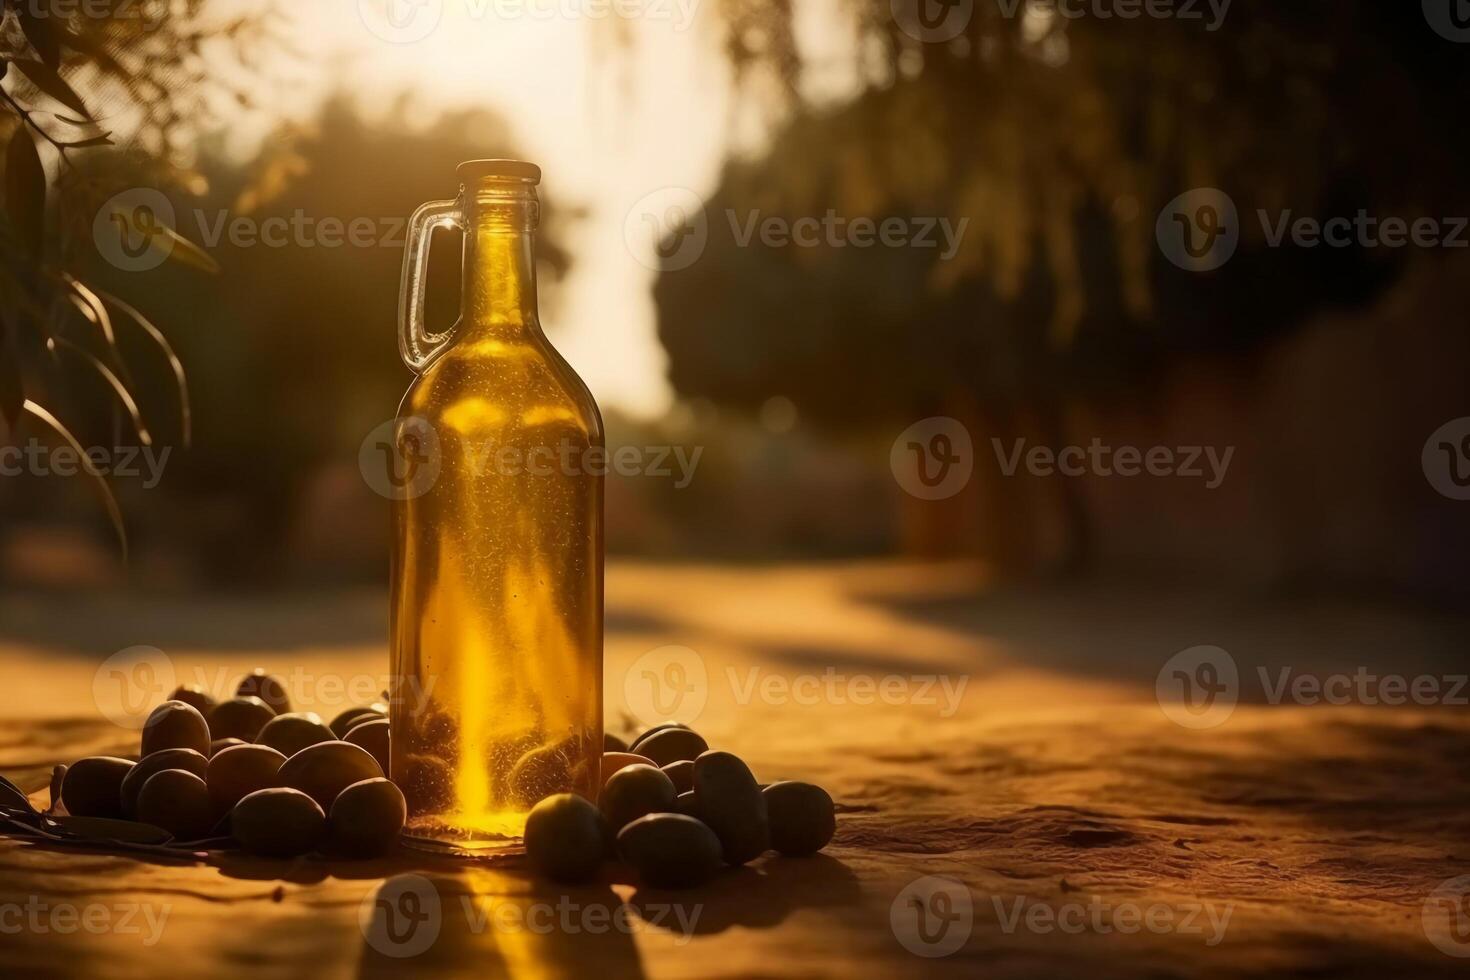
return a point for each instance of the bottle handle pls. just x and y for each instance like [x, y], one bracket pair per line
[416, 344]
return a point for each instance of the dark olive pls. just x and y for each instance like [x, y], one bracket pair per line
[427, 783]
[220, 744]
[240, 770]
[565, 837]
[613, 762]
[290, 733]
[687, 804]
[730, 801]
[681, 774]
[92, 787]
[323, 770]
[634, 792]
[278, 822]
[673, 745]
[132, 784]
[366, 818]
[194, 695]
[373, 736]
[259, 684]
[241, 718]
[352, 717]
[633, 746]
[611, 743]
[177, 801]
[175, 725]
[540, 773]
[670, 850]
[801, 817]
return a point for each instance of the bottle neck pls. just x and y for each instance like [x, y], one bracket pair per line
[499, 292]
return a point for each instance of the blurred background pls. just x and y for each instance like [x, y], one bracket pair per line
[1092, 238]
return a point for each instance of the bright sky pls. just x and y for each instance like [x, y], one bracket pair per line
[607, 126]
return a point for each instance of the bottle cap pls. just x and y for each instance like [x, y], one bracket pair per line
[511, 169]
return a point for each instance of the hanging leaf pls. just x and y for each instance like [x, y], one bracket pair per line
[12, 392]
[187, 253]
[41, 30]
[104, 492]
[123, 394]
[45, 78]
[176, 365]
[103, 140]
[25, 190]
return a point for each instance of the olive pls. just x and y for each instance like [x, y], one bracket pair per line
[290, 733]
[540, 773]
[241, 718]
[132, 784]
[673, 745]
[670, 850]
[239, 771]
[633, 747]
[634, 792]
[175, 725]
[177, 801]
[687, 804]
[366, 818]
[373, 736]
[801, 817]
[325, 769]
[92, 787]
[277, 822]
[730, 801]
[565, 837]
[352, 717]
[427, 783]
[681, 774]
[259, 684]
[195, 696]
[220, 744]
[611, 743]
[613, 762]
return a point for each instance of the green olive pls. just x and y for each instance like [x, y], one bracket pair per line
[290, 733]
[634, 792]
[352, 717]
[672, 745]
[240, 770]
[565, 837]
[801, 816]
[325, 769]
[177, 801]
[366, 818]
[92, 787]
[259, 684]
[194, 695]
[277, 822]
[670, 850]
[681, 774]
[175, 725]
[132, 784]
[730, 801]
[241, 718]
[373, 736]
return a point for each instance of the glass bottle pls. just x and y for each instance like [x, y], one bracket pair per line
[496, 620]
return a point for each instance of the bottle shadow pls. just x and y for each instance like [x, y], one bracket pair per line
[757, 896]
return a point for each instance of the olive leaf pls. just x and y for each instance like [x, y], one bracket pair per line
[177, 366]
[45, 78]
[114, 513]
[12, 391]
[25, 190]
[39, 27]
[13, 797]
[124, 396]
[174, 246]
[107, 830]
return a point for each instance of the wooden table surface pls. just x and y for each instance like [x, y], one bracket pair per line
[1014, 804]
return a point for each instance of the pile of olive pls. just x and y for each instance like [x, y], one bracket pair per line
[281, 783]
[676, 811]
